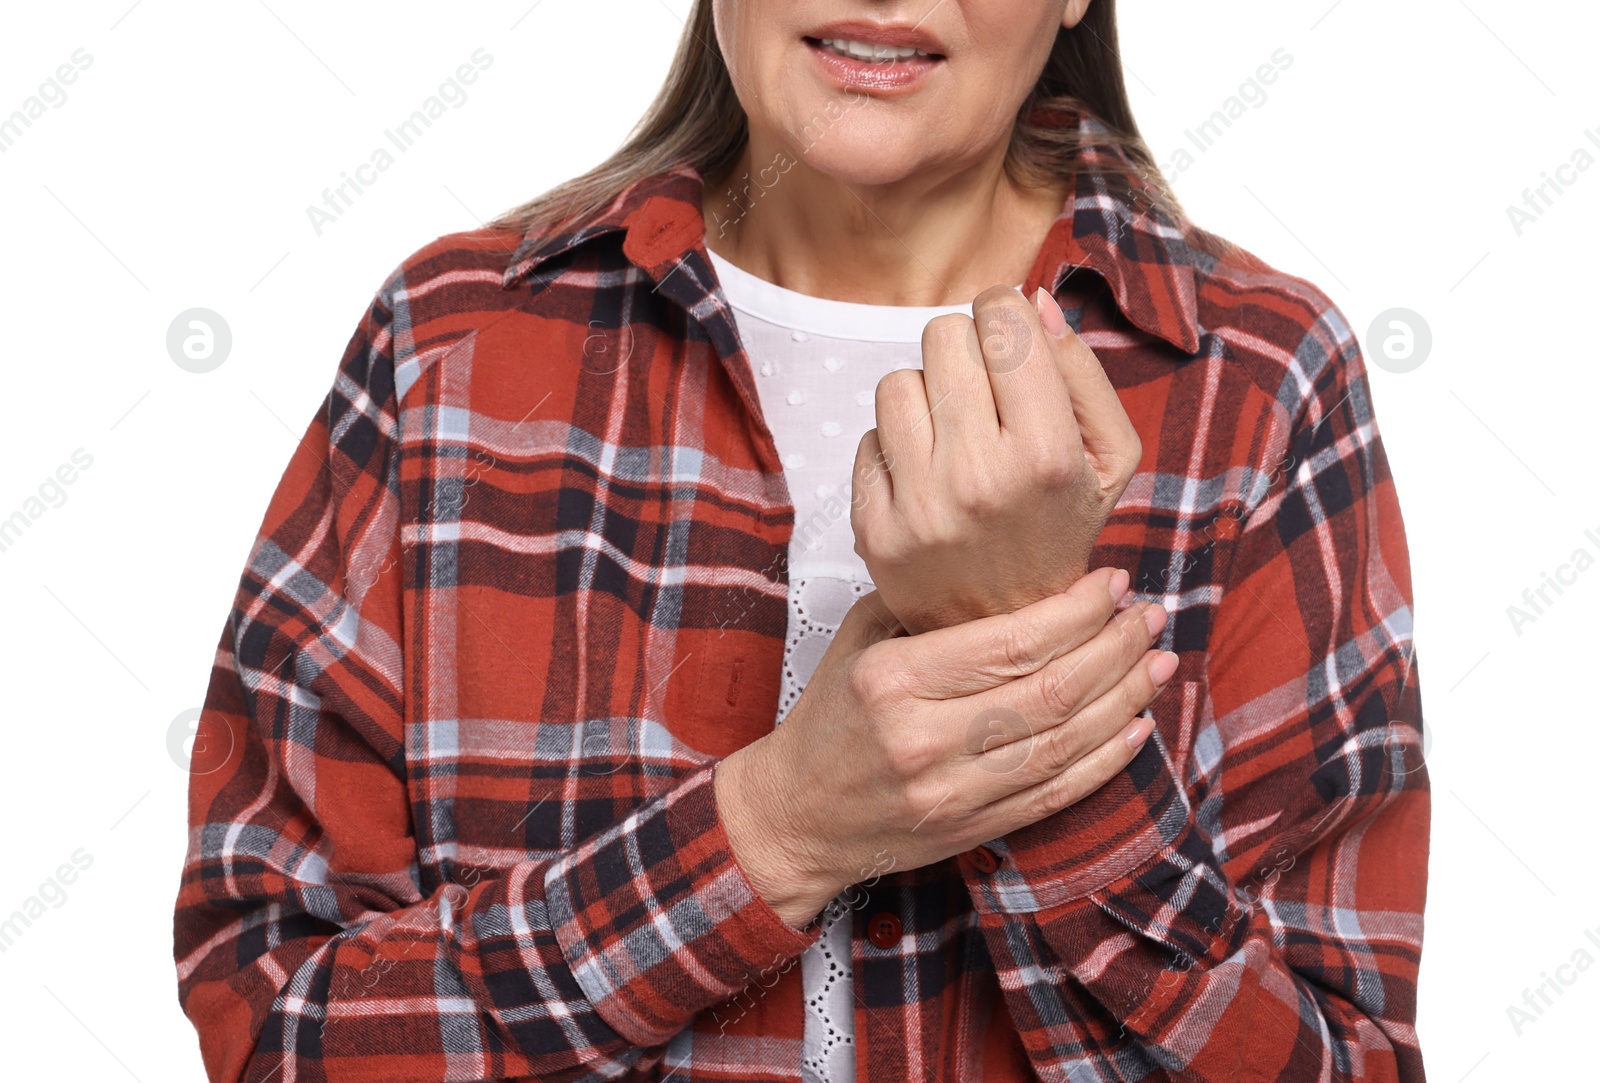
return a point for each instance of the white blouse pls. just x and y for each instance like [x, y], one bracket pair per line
[817, 365]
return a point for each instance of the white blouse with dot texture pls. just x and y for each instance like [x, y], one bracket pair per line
[817, 364]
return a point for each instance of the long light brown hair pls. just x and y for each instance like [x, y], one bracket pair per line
[696, 119]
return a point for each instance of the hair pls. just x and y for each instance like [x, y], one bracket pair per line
[696, 118]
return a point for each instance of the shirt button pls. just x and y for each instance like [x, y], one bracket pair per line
[984, 860]
[884, 930]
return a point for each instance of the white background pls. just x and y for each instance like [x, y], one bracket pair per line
[177, 175]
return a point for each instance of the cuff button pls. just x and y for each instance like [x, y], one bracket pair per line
[984, 860]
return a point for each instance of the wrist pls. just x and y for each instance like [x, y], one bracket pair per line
[757, 816]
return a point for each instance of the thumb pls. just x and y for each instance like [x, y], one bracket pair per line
[1103, 424]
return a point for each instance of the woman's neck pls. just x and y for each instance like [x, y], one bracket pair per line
[932, 239]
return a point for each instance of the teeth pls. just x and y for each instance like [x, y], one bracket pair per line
[861, 50]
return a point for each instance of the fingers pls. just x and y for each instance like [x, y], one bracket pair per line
[905, 431]
[1030, 395]
[1103, 425]
[869, 479]
[1040, 756]
[1061, 689]
[959, 396]
[1067, 787]
[991, 652]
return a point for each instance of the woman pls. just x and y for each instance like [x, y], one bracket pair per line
[1115, 775]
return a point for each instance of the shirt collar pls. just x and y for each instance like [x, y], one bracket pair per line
[1111, 225]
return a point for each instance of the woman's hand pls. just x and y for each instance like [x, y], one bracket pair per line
[904, 750]
[993, 469]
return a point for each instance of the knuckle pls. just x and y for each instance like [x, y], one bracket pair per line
[1021, 644]
[1133, 696]
[1132, 640]
[894, 389]
[875, 679]
[1006, 336]
[944, 332]
[910, 752]
[1050, 467]
[866, 448]
[1064, 745]
[1133, 633]
[977, 491]
[923, 805]
[1142, 688]
[883, 398]
[930, 525]
[1053, 795]
[1067, 791]
[1146, 636]
[1061, 689]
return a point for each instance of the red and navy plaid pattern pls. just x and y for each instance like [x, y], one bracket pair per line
[522, 585]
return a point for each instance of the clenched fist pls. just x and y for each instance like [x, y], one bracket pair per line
[993, 469]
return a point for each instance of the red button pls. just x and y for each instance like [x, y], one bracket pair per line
[984, 860]
[884, 930]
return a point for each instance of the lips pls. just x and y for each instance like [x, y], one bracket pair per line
[883, 59]
[896, 36]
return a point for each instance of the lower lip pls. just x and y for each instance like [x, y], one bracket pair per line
[881, 77]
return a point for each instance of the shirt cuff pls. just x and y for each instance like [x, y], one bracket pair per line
[1135, 818]
[657, 920]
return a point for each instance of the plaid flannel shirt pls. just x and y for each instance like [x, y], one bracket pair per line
[523, 584]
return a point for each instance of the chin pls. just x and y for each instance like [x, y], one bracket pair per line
[873, 165]
[857, 152]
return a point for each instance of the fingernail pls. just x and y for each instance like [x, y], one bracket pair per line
[1049, 313]
[1162, 667]
[1155, 619]
[1139, 732]
[1119, 585]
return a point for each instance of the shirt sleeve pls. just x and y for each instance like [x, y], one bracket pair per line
[307, 945]
[1245, 901]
